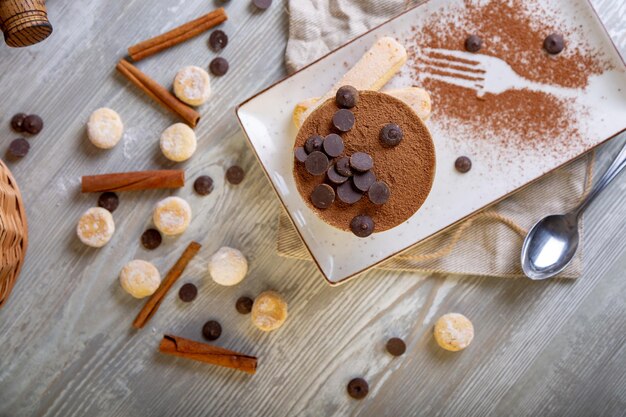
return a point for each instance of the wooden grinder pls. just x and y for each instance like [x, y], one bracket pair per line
[24, 22]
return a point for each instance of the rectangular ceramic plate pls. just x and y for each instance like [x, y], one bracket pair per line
[266, 121]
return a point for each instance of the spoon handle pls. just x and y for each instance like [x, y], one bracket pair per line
[616, 167]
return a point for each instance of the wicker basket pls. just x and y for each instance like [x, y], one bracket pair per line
[13, 232]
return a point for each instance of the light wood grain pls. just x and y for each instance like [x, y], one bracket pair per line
[66, 344]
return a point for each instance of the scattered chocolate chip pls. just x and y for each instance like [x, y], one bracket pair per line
[19, 148]
[188, 292]
[333, 145]
[360, 161]
[391, 135]
[203, 185]
[32, 124]
[244, 305]
[151, 239]
[108, 201]
[218, 40]
[347, 193]
[473, 43]
[211, 330]
[219, 66]
[463, 164]
[347, 97]
[235, 174]
[313, 143]
[364, 180]
[300, 154]
[316, 163]
[343, 120]
[358, 388]
[343, 166]
[17, 122]
[262, 4]
[379, 193]
[323, 196]
[362, 225]
[396, 346]
[334, 176]
[554, 43]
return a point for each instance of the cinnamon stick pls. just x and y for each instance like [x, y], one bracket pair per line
[133, 181]
[203, 352]
[158, 93]
[177, 35]
[153, 303]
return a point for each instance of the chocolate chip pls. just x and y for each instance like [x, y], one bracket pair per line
[235, 174]
[333, 145]
[362, 225]
[313, 143]
[211, 330]
[19, 148]
[151, 239]
[554, 43]
[203, 185]
[218, 40]
[360, 161]
[343, 166]
[347, 97]
[262, 4]
[334, 176]
[358, 388]
[347, 193]
[343, 120]
[379, 193]
[463, 164]
[108, 201]
[363, 180]
[300, 154]
[219, 66]
[316, 163]
[188, 292]
[390, 135]
[32, 124]
[17, 122]
[323, 196]
[244, 305]
[396, 346]
[473, 43]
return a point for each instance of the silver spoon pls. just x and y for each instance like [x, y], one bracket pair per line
[552, 242]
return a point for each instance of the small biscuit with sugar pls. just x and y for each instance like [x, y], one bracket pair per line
[178, 142]
[140, 278]
[172, 216]
[95, 227]
[269, 311]
[454, 332]
[228, 266]
[192, 85]
[105, 128]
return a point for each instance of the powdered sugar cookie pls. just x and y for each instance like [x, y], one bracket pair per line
[95, 227]
[140, 278]
[192, 85]
[105, 128]
[454, 332]
[178, 142]
[228, 266]
[172, 216]
[269, 311]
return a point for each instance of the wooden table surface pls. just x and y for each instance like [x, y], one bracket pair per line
[66, 345]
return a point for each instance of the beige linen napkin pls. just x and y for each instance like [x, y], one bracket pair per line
[489, 242]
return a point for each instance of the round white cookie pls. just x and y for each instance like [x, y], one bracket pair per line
[192, 85]
[140, 278]
[172, 216]
[454, 332]
[105, 128]
[95, 227]
[228, 266]
[178, 142]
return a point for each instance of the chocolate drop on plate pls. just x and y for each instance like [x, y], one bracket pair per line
[362, 225]
[300, 154]
[396, 346]
[463, 164]
[219, 66]
[17, 122]
[203, 185]
[262, 4]
[188, 292]
[347, 193]
[379, 193]
[554, 43]
[244, 305]
[235, 174]
[211, 330]
[363, 180]
[334, 176]
[333, 145]
[347, 97]
[19, 148]
[391, 135]
[323, 196]
[151, 239]
[358, 388]
[313, 143]
[473, 43]
[32, 124]
[218, 40]
[108, 201]
[342, 166]
[343, 120]
[316, 163]
[360, 161]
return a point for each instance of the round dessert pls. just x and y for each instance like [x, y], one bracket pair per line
[387, 145]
